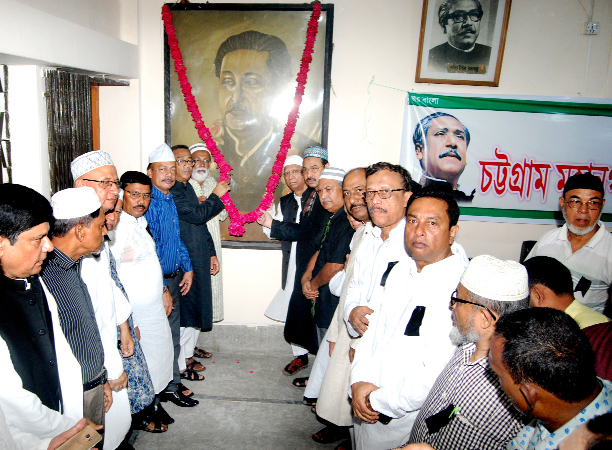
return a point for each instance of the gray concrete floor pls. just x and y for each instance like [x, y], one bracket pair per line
[245, 402]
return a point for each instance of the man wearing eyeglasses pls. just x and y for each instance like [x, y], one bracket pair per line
[407, 343]
[460, 21]
[197, 305]
[466, 407]
[583, 245]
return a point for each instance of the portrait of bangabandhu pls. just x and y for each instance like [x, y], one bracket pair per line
[242, 62]
[461, 22]
[441, 142]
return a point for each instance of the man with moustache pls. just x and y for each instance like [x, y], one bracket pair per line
[196, 306]
[466, 407]
[299, 326]
[328, 381]
[177, 269]
[407, 342]
[78, 230]
[96, 170]
[253, 70]
[203, 184]
[46, 398]
[546, 367]
[583, 245]
[460, 20]
[388, 188]
[134, 250]
[441, 143]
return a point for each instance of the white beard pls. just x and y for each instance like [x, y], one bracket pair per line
[200, 174]
[578, 231]
[458, 338]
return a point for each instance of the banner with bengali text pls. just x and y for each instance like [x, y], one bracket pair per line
[507, 159]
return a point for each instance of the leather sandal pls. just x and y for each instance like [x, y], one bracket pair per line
[330, 434]
[300, 382]
[194, 365]
[294, 366]
[191, 375]
[201, 353]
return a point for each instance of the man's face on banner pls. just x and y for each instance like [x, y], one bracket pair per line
[445, 151]
[244, 90]
[463, 34]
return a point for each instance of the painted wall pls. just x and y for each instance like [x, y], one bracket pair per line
[546, 54]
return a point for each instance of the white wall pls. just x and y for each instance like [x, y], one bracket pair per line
[546, 54]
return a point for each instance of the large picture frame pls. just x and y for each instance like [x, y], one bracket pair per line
[462, 41]
[242, 61]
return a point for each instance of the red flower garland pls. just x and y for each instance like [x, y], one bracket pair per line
[238, 220]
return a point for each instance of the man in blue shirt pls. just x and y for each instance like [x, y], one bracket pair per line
[163, 221]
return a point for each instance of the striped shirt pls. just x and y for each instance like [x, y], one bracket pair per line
[485, 418]
[164, 225]
[62, 276]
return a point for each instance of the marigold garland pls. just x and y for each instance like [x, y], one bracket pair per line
[237, 220]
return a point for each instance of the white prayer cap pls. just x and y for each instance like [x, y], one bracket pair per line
[293, 160]
[494, 279]
[163, 153]
[197, 147]
[88, 162]
[333, 173]
[73, 203]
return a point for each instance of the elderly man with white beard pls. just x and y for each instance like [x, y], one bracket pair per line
[466, 407]
[203, 185]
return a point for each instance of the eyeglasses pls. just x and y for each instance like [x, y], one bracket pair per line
[574, 203]
[461, 16]
[292, 172]
[201, 161]
[182, 162]
[106, 184]
[454, 300]
[311, 169]
[135, 194]
[382, 193]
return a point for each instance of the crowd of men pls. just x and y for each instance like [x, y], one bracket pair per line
[416, 345]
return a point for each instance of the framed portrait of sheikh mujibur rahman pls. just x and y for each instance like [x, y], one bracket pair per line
[462, 41]
[242, 61]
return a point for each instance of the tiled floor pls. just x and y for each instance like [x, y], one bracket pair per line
[245, 403]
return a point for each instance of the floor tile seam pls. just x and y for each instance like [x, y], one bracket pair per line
[246, 399]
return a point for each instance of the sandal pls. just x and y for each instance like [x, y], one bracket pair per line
[201, 353]
[191, 375]
[294, 366]
[309, 401]
[330, 434]
[194, 365]
[182, 388]
[300, 382]
[155, 426]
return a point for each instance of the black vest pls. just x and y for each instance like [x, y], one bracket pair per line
[27, 329]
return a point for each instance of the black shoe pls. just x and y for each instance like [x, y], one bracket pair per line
[160, 414]
[178, 398]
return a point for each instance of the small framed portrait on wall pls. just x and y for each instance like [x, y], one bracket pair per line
[462, 41]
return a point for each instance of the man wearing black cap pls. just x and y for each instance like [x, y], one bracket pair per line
[583, 245]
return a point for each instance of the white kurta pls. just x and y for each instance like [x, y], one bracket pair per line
[278, 307]
[371, 262]
[142, 278]
[406, 367]
[216, 281]
[111, 309]
[23, 409]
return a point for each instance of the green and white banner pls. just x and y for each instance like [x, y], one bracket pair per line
[507, 159]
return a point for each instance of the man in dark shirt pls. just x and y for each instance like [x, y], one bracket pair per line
[78, 231]
[41, 402]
